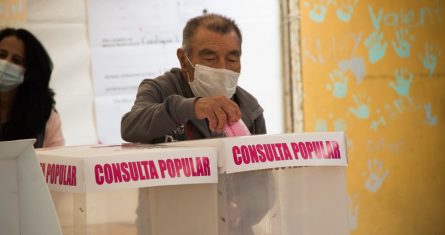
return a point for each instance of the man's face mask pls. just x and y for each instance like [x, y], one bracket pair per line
[213, 82]
[11, 75]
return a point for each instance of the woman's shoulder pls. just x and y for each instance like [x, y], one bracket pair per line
[53, 131]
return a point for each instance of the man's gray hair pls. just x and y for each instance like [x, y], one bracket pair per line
[212, 22]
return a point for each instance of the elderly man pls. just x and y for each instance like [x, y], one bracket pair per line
[198, 100]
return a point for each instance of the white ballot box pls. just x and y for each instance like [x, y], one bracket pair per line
[133, 189]
[286, 184]
[26, 207]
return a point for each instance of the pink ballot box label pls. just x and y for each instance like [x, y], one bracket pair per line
[271, 151]
[236, 129]
[102, 168]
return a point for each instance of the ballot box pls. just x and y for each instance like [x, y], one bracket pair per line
[281, 184]
[133, 189]
[26, 207]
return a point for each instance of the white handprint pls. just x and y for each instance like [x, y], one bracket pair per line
[353, 211]
[377, 175]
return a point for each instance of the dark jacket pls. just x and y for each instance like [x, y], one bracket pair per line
[164, 110]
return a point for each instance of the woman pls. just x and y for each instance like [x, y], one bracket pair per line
[26, 101]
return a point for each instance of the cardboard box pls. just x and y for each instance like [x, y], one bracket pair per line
[281, 184]
[26, 207]
[133, 189]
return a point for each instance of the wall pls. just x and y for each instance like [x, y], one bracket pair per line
[376, 70]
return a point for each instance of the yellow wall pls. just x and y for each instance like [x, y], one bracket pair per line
[12, 12]
[376, 69]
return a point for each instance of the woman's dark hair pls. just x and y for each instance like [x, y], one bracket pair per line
[34, 100]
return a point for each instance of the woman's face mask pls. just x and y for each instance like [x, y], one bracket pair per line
[11, 75]
[213, 82]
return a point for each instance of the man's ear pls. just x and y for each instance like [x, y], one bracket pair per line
[180, 53]
[185, 65]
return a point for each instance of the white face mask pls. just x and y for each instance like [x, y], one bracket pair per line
[11, 75]
[213, 82]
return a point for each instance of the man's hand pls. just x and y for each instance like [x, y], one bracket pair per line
[219, 110]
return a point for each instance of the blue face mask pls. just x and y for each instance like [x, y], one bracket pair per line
[11, 75]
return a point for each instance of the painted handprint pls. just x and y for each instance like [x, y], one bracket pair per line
[399, 105]
[379, 122]
[403, 82]
[321, 125]
[318, 9]
[430, 119]
[312, 49]
[402, 44]
[340, 125]
[429, 60]
[390, 111]
[340, 81]
[357, 67]
[345, 8]
[377, 175]
[361, 110]
[353, 211]
[377, 47]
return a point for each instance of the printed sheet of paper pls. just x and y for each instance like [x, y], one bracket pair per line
[131, 42]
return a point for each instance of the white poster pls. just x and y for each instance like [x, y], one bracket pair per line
[132, 41]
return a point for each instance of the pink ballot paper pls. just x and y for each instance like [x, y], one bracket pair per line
[237, 129]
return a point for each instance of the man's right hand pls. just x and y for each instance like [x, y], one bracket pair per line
[219, 110]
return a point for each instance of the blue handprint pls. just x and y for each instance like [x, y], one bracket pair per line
[429, 60]
[403, 82]
[402, 46]
[318, 9]
[376, 47]
[430, 119]
[340, 83]
[345, 10]
[361, 110]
